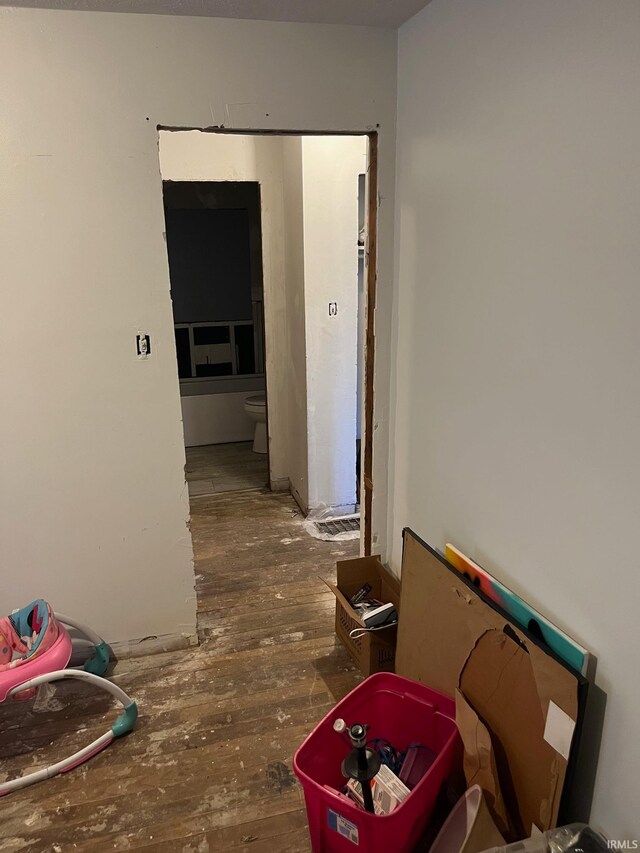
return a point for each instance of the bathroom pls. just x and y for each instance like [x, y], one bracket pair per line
[215, 266]
[265, 244]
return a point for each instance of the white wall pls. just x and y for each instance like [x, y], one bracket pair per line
[296, 364]
[94, 504]
[330, 169]
[216, 418]
[517, 376]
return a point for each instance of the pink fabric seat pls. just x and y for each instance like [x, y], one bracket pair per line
[55, 657]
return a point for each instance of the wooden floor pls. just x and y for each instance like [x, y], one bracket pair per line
[209, 766]
[217, 468]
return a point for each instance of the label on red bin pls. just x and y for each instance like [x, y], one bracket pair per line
[342, 826]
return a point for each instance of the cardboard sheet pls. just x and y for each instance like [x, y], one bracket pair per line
[451, 638]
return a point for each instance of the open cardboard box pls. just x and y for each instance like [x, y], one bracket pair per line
[518, 707]
[373, 652]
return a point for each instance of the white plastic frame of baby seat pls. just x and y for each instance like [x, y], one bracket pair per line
[82, 754]
[93, 639]
[123, 724]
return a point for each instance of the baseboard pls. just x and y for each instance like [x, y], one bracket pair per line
[301, 504]
[152, 645]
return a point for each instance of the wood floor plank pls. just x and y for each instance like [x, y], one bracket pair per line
[209, 766]
[213, 469]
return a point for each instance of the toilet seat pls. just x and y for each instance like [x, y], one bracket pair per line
[258, 401]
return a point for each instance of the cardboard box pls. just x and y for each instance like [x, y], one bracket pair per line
[518, 707]
[374, 651]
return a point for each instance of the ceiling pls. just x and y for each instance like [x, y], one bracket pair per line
[373, 13]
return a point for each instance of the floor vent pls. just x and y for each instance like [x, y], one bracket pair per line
[335, 526]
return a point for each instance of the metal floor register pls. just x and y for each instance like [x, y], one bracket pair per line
[335, 526]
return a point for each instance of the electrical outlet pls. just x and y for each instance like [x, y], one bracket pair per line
[333, 309]
[143, 345]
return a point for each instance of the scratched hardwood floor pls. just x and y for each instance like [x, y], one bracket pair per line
[209, 766]
[217, 468]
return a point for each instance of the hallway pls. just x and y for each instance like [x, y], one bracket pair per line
[209, 766]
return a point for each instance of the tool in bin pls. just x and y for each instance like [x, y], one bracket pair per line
[361, 764]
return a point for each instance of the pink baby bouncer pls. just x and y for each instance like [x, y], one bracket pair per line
[35, 649]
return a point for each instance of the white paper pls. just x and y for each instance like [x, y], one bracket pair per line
[558, 730]
[344, 827]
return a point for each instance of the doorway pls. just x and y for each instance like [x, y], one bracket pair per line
[318, 285]
[213, 237]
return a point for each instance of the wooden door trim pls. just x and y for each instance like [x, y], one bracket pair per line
[370, 340]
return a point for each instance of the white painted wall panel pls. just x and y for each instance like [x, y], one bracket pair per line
[94, 505]
[330, 169]
[517, 380]
[295, 367]
[216, 419]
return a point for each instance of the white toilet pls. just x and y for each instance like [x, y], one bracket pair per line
[256, 408]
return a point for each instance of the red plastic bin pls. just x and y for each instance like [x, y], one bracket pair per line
[403, 712]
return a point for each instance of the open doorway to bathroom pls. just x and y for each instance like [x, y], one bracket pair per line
[292, 321]
[214, 249]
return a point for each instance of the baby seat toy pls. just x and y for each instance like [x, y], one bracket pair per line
[35, 649]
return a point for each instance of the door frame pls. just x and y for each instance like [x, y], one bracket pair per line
[371, 275]
[371, 270]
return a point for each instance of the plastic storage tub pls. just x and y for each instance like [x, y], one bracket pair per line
[403, 712]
